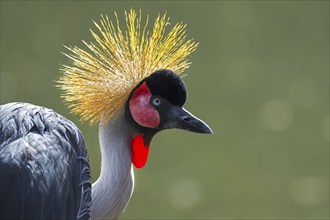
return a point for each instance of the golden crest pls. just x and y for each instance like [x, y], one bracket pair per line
[98, 82]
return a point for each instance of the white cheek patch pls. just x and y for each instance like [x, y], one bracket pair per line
[141, 110]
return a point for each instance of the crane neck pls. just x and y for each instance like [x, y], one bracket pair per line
[114, 187]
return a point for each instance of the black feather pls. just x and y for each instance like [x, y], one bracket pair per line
[44, 168]
[168, 85]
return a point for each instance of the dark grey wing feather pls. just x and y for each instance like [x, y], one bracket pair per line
[44, 166]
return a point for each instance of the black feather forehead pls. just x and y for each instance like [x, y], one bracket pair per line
[168, 85]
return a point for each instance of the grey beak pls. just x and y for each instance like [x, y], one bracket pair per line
[182, 119]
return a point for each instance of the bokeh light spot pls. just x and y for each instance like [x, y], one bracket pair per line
[185, 193]
[308, 191]
[276, 114]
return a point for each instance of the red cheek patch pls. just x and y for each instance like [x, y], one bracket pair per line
[141, 110]
[140, 152]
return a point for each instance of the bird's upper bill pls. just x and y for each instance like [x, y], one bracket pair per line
[98, 82]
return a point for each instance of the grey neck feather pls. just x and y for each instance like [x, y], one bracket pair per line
[113, 189]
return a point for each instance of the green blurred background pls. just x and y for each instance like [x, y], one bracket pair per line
[260, 78]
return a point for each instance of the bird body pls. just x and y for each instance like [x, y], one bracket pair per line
[130, 84]
[42, 152]
[44, 166]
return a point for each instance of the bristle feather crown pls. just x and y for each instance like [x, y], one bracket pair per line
[98, 82]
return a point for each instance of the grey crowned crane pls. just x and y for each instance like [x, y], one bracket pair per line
[129, 82]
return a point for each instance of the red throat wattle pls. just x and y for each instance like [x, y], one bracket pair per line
[139, 151]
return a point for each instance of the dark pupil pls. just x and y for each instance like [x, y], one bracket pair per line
[156, 101]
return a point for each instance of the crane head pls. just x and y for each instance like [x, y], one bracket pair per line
[158, 101]
[157, 104]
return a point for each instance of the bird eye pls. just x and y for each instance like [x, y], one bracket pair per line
[156, 101]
